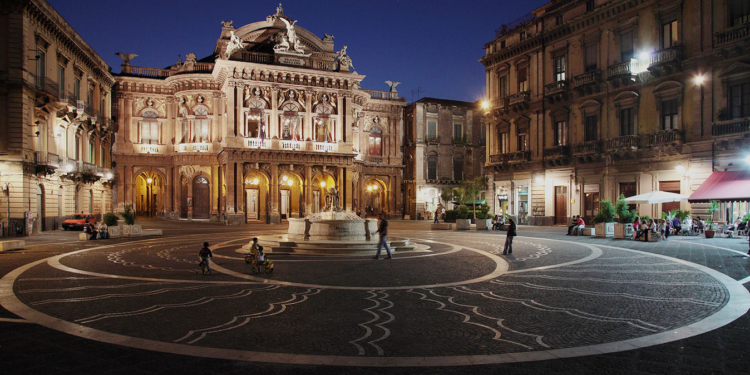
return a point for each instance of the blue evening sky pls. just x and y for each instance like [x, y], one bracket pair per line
[432, 45]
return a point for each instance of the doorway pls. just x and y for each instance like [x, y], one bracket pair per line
[671, 187]
[561, 205]
[184, 201]
[284, 204]
[40, 208]
[201, 198]
[60, 207]
[252, 204]
[316, 201]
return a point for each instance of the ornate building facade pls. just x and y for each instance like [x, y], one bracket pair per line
[55, 127]
[444, 145]
[260, 130]
[593, 99]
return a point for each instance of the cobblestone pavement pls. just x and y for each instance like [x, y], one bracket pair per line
[558, 304]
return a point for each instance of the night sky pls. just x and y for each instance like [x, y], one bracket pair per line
[432, 45]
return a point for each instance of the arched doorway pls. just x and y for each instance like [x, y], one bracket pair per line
[184, 198]
[149, 193]
[256, 196]
[375, 194]
[201, 198]
[40, 208]
[320, 185]
[290, 195]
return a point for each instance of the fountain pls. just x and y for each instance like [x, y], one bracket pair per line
[334, 231]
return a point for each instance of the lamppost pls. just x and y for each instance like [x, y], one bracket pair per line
[149, 199]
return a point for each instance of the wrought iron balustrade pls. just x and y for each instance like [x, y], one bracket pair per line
[499, 103]
[731, 127]
[556, 152]
[619, 69]
[667, 55]
[46, 159]
[499, 158]
[624, 142]
[589, 147]
[519, 157]
[733, 34]
[663, 137]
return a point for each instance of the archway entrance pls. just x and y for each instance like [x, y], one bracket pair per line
[290, 196]
[149, 188]
[320, 185]
[256, 196]
[375, 197]
[201, 198]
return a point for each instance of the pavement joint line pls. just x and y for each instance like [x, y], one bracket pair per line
[12, 320]
[738, 304]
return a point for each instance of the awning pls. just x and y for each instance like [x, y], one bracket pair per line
[656, 197]
[733, 186]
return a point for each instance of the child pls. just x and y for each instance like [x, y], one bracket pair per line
[205, 254]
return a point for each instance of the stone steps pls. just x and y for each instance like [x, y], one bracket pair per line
[337, 247]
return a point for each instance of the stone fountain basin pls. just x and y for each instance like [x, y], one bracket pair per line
[335, 230]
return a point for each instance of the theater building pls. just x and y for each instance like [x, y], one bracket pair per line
[55, 127]
[593, 99]
[257, 130]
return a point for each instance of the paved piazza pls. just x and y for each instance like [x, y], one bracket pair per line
[455, 301]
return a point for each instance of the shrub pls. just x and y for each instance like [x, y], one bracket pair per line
[110, 219]
[451, 216]
[744, 219]
[623, 212]
[481, 215]
[128, 215]
[606, 212]
[463, 212]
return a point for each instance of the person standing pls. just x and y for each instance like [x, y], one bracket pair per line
[383, 231]
[677, 225]
[509, 238]
[205, 254]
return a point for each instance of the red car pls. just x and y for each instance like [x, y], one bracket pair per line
[77, 221]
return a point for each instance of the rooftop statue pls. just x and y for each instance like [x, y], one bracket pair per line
[392, 85]
[126, 57]
[235, 43]
[343, 58]
[291, 41]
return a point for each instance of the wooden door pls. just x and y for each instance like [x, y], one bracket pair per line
[672, 187]
[184, 201]
[252, 204]
[561, 205]
[201, 198]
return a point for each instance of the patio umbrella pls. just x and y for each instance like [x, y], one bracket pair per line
[656, 197]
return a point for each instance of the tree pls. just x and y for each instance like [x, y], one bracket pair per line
[446, 195]
[471, 189]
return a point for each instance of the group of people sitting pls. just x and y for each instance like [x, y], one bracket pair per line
[96, 231]
[498, 222]
[577, 226]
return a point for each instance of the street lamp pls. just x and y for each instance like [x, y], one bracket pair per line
[322, 184]
[699, 79]
[149, 198]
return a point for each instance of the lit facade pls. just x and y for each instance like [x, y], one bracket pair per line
[591, 99]
[258, 131]
[55, 127]
[444, 146]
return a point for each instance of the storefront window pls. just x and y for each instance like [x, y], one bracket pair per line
[523, 204]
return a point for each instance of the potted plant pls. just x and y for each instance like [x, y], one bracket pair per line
[484, 218]
[624, 229]
[129, 216]
[604, 220]
[463, 222]
[713, 206]
[111, 220]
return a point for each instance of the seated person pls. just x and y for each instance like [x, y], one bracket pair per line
[573, 223]
[90, 230]
[642, 230]
[736, 224]
[580, 225]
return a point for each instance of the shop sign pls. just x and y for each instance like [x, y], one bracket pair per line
[502, 197]
[594, 188]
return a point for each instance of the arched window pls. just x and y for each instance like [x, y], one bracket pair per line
[202, 124]
[290, 119]
[61, 138]
[254, 118]
[375, 142]
[150, 128]
[92, 148]
[432, 167]
[324, 125]
[77, 151]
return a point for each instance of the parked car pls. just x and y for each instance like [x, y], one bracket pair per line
[77, 221]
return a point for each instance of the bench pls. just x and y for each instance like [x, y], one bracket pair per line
[589, 232]
[441, 226]
[12, 245]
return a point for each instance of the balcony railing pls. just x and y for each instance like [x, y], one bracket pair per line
[731, 35]
[72, 100]
[255, 143]
[150, 149]
[385, 95]
[663, 137]
[619, 69]
[88, 167]
[291, 145]
[667, 55]
[140, 71]
[627, 141]
[69, 165]
[47, 159]
[586, 78]
[195, 147]
[500, 103]
[556, 152]
[731, 127]
[325, 147]
[48, 86]
[521, 97]
[590, 147]
[519, 157]
[499, 158]
[555, 87]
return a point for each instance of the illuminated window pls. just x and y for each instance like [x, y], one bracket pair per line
[202, 124]
[375, 142]
[150, 128]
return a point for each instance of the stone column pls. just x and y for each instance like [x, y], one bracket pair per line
[176, 192]
[349, 183]
[168, 189]
[392, 196]
[216, 126]
[308, 189]
[120, 187]
[239, 190]
[127, 106]
[170, 134]
[215, 189]
[308, 126]
[341, 117]
[231, 102]
[275, 217]
[128, 182]
[238, 102]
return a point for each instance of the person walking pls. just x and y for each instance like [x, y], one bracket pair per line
[509, 238]
[383, 231]
[205, 254]
[437, 215]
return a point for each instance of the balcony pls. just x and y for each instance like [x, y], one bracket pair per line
[520, 98]
[555, 88]
[385, 95]
[325, 147]
[88, 167]
[291, 145]
[663, 138]
[47, 86]
[590, 147]
[556, 152]
[72, 101]
[149, 149]
[626, 142]
[666, 61]
[519, 157]
[256, 143]
[731, 127]
[587, 83]
[733, 34]
[69, 165]
[500, 103]
[195, 147]
[46, 162]
[374, 159]
[620, 74]
[499, 158]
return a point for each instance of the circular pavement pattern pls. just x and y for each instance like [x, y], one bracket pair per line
[457, 301]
